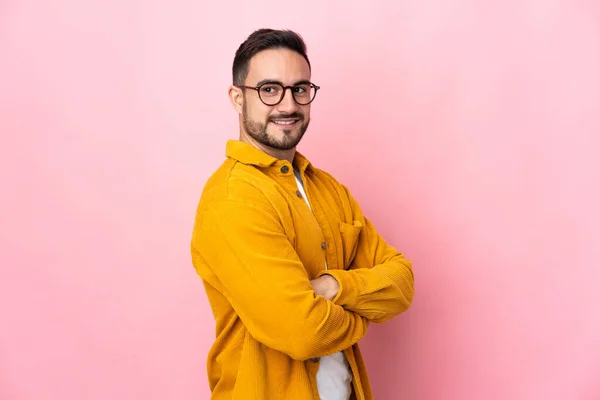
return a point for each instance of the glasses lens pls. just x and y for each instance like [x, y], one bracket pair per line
[270, 93]
[304, 93]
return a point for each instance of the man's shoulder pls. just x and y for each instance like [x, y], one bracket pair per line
[234, 181]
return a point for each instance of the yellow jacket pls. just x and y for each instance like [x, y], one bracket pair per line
[256, 245]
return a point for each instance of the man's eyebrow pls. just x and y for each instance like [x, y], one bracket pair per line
[265, 81]
[302, 82]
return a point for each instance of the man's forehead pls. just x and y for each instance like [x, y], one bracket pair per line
[278, 64]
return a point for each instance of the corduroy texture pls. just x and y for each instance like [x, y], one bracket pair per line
[256, 245]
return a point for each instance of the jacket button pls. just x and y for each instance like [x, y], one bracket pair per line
[315, 359]
[299, 193]
[285, 169]
[323, 245]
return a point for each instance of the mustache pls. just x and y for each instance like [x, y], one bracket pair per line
[294, 115]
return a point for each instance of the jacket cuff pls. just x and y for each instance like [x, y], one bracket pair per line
[347, 295]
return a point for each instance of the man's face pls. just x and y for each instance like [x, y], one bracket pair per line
[280, 126]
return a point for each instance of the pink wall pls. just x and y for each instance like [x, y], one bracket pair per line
[468, 132]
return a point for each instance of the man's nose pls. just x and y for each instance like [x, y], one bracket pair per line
[287, 104]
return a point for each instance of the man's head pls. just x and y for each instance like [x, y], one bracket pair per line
[272, 116]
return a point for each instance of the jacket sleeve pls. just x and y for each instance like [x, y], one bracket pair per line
[379, 282]
[241, 249]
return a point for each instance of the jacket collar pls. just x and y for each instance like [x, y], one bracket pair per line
[248, 154]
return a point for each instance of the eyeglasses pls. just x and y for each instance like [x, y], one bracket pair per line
[272, 93]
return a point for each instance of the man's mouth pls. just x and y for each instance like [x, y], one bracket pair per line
[284, 122]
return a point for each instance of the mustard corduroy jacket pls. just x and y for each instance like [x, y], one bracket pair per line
[256, 245]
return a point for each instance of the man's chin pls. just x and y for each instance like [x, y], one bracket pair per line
[287, 142]
[283, 132]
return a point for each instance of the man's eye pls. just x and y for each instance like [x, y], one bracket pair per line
[270, 89]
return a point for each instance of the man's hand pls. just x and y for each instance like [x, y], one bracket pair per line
[326, 286]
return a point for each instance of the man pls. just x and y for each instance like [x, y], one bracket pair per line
[293, 271]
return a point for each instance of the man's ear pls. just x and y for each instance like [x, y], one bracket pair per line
[237, 98]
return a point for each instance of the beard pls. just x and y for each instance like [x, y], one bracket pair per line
[258, 131]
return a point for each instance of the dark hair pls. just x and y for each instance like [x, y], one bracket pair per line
[264, 39]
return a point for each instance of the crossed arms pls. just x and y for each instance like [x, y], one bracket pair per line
[241, 249]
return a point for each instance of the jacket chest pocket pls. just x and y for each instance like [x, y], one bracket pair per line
[350, 235]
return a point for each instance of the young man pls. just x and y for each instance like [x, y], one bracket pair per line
[293, 271]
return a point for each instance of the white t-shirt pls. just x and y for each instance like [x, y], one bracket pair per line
[334, 377]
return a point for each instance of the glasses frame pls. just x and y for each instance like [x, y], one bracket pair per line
[285, 88]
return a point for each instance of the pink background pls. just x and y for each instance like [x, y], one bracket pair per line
[469, 132]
